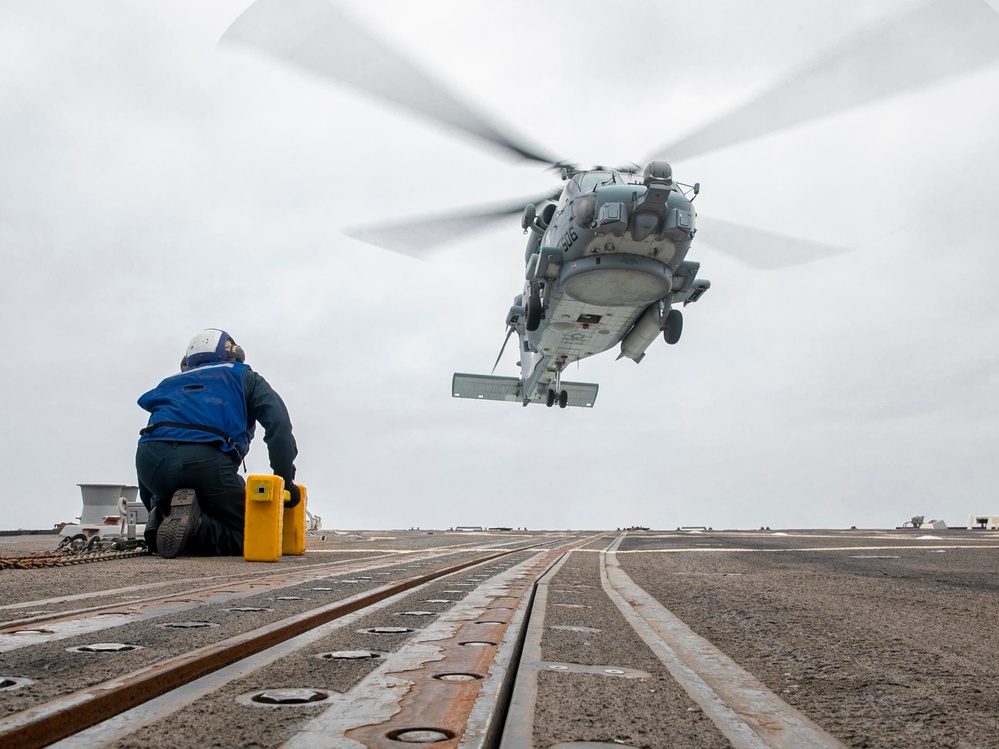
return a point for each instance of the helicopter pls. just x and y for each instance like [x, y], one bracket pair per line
[603, 266]
[605, 262]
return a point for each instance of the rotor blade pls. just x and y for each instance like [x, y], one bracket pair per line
[418, 236]
[761, 249]
[934, 41]
[509, 332]
[323, 39]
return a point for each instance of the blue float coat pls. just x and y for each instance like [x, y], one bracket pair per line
[225, 400]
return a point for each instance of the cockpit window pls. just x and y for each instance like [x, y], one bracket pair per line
[589, 180]
[568, 193]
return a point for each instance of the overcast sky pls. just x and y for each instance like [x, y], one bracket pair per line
[153, 184]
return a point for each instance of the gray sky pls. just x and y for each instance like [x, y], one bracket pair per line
[154, 184]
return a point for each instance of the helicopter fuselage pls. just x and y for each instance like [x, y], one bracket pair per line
[604, 265]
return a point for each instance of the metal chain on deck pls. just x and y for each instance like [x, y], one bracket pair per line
[81, 549]
[66, 558]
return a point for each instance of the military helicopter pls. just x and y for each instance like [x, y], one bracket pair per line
[606, 256]
[604, 265]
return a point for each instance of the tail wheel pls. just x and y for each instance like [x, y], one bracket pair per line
[673, 327]
[533, 312]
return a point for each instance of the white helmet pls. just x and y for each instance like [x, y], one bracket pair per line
[211, 345]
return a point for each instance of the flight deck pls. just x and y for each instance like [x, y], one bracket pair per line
[650, 638]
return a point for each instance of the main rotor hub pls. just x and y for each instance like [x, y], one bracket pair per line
[659, 172]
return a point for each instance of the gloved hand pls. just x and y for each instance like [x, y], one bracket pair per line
[295, 496]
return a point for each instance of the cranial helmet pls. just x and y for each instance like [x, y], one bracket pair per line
[211, 345]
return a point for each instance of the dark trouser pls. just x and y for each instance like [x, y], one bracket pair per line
[165, 467]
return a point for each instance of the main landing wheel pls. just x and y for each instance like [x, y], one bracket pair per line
[551, 398]
[563, 399]
[533, 313]
[673, 327]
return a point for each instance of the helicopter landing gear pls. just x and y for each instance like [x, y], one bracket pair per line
[673, 326]
[561, 397]
[533, 312]
[557, 394]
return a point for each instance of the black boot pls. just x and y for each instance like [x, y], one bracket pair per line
[180, 526]
[152, 524]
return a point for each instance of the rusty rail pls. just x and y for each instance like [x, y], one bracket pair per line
[447, 671]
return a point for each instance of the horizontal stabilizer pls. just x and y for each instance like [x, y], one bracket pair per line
[493, 388]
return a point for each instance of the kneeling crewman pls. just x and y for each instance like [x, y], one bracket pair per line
[200, 427]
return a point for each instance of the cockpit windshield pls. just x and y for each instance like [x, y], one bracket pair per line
[587, 181]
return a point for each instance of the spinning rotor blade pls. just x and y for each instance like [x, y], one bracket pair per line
[509, 332]
[761, 249]
[323, 39]
[934, 41]
[417, 237]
